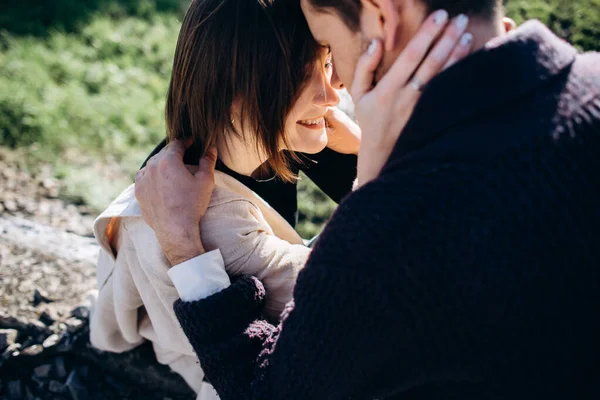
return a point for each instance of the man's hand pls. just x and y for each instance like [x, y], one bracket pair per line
[173, 199]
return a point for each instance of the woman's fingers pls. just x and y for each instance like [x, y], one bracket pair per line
[412, 56]
[443, 49]
[365, 69]
[461, 51]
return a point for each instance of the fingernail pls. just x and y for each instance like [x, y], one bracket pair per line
[372, 47]
[466, 39]
[440, 17]
[461, 21]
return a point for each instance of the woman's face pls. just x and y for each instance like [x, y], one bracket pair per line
[305, 125]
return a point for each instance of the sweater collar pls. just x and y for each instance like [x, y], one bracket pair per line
[507, 68]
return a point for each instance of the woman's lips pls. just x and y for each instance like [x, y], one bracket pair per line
[317, 123]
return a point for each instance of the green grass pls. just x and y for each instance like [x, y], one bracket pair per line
[83, 85]
[95, 97]
[577, 21]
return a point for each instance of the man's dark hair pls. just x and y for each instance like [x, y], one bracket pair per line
[349, 10]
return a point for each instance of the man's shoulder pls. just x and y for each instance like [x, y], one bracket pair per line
[577, 109]
[584, 79]
[590, 61]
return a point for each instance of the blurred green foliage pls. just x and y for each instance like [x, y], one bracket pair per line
[101, 90]
[86, 80]
[35, 17]
[577, 21]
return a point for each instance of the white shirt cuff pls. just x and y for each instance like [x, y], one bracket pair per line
[200, 277]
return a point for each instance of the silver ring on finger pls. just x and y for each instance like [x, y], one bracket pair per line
[416, 84]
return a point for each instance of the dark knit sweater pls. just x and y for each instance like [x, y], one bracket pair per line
[469, 269]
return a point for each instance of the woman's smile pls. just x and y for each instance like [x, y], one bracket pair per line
[316, 123]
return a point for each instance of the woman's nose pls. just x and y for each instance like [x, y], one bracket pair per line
[328, 96]
[336, 82]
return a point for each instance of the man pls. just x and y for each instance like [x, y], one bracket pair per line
[468, 268]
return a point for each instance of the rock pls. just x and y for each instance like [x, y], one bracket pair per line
[27, 327]
[14, 390]
[38, 383]
[48, 240]
[76, 387]
[56, 387]
[7, 338]
[10, 205]
[83, 371]
[42, 371]
[73, 324]
[59, 368]
[33, 350]
[51, 341]
[12, 350]
[28, 394]
[46, 319]
[81, 312]
[65, 344]
[49, 183]
[39, 298]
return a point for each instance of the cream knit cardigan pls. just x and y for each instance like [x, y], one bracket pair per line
[135, 299]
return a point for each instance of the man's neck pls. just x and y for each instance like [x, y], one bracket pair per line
[484, 30]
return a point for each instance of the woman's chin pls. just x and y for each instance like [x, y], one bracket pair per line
[315, 145]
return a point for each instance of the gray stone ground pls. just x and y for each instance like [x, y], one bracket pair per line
[44, 338]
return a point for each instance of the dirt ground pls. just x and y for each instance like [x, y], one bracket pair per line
[44, 335]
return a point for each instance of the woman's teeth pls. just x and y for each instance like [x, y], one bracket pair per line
[312, 121]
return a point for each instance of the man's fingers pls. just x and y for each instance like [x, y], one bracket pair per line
[137, 188]
[207, 163]
[139, 175]
[411, 57]
[365, 68]
[463, 49]
[443, 49]
[176, 147]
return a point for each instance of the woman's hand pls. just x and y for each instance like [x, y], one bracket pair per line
[383, 111]
[343, 134]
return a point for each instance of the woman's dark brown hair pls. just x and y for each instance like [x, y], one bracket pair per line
[256, 53]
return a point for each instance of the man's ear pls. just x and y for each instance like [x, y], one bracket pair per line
[380, 19]
[509, 24]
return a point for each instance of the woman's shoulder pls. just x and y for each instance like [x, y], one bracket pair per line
[229, 209]
[234, 199]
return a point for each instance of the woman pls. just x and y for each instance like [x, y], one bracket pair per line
[249, 80]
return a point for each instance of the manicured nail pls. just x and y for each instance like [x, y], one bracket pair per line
[466, 39]
[461, 21]
[372, 47]
[440, 17]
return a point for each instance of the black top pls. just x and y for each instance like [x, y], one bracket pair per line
[469, 269]
[332, 172]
